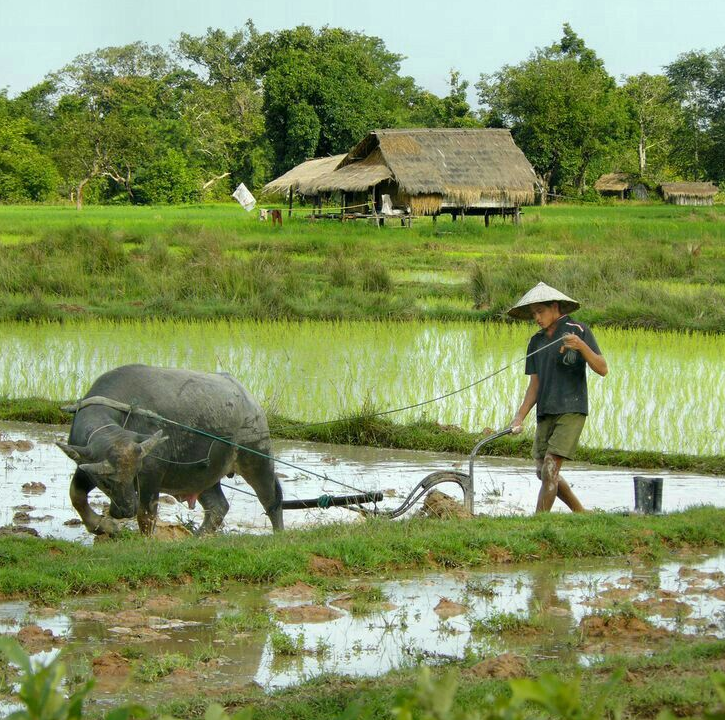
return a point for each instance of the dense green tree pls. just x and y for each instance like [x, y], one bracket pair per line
[324, 90]
[562, 106]
[26, 174]
[453, 110]
[697, 81]
[223, 110]
[656, 116]
[106, 117]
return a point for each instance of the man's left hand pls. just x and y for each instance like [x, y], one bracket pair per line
[572, 342]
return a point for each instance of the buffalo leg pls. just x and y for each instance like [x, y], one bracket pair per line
[215, 508]
[260, 476]
[97, 524]
[148, 506]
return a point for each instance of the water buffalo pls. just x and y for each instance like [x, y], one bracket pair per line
[132, 456]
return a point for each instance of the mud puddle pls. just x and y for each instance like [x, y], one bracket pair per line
[156, 645]
[35, 475]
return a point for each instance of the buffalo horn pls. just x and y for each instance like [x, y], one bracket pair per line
[76, 453]
[99, 468]
[148, 445]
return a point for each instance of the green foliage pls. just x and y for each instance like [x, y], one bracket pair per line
[42, 694]
[284, 644]
[168, 180]
[155, 667]
[562, 106]
[26, 173]
[323, 90]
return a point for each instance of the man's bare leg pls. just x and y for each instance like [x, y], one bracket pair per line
[553, 485]
[566, 495]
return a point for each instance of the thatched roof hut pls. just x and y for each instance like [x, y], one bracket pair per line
[434, 170]
[689, 193]
[301, 174]
[623, 185]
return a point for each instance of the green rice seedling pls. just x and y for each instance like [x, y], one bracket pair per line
[663, 393]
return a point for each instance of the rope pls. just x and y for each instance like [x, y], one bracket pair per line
[423, 402]
[324, 498]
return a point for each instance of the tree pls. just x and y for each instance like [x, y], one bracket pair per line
[562, 106]
[26, 174]
[655, 115]
[223, 110]
[697, 81]
[324, 90]
[450, 111]
[105, 119]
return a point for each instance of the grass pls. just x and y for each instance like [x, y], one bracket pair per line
[421, 435]
[499, 623]
[246, 620]
[635, 266]
[48, 570]
[682, 678]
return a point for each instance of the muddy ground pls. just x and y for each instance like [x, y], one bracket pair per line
[35, 475]
[151, 645]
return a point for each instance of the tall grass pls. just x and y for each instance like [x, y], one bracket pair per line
[658, 267]
[665, 390]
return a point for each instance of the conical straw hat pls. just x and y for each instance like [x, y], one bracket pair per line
[539, 294]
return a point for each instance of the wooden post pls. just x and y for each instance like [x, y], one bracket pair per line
[291, 195]
[486, 219]
[517, 216]
[342, 207]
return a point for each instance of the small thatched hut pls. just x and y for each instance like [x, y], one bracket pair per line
[287, 185]
[621, 185]
[689, 193]
[433, 171]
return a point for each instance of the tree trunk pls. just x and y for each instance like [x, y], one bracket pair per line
[642, 154]
[79, 193]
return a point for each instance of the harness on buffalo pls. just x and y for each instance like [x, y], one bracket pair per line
[352, 502]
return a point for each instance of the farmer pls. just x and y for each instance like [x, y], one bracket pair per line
[557, 386]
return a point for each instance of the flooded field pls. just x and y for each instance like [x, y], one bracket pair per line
[152, 644]
[35, 476]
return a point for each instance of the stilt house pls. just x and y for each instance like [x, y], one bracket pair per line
[287, 185]
[432, 171]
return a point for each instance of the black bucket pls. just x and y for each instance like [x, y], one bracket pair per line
[647, 494]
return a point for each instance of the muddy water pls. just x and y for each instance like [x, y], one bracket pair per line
[431, 617]
[503, 486]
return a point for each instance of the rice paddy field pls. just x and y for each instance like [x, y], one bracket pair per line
[664, 392]
[328, 320]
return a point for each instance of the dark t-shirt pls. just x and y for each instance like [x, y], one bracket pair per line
[562, 376]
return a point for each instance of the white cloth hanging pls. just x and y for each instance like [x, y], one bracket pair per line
[244, 197]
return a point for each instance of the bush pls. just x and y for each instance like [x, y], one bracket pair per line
[375, 277]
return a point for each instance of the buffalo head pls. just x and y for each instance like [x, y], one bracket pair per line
[112, 464]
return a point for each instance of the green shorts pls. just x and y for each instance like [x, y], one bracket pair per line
[558, 435]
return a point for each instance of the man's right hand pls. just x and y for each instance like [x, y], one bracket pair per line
[517, 426]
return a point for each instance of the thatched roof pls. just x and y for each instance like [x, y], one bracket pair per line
[614, 182]
[688, 189]
[456, 166]
[302, 173]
